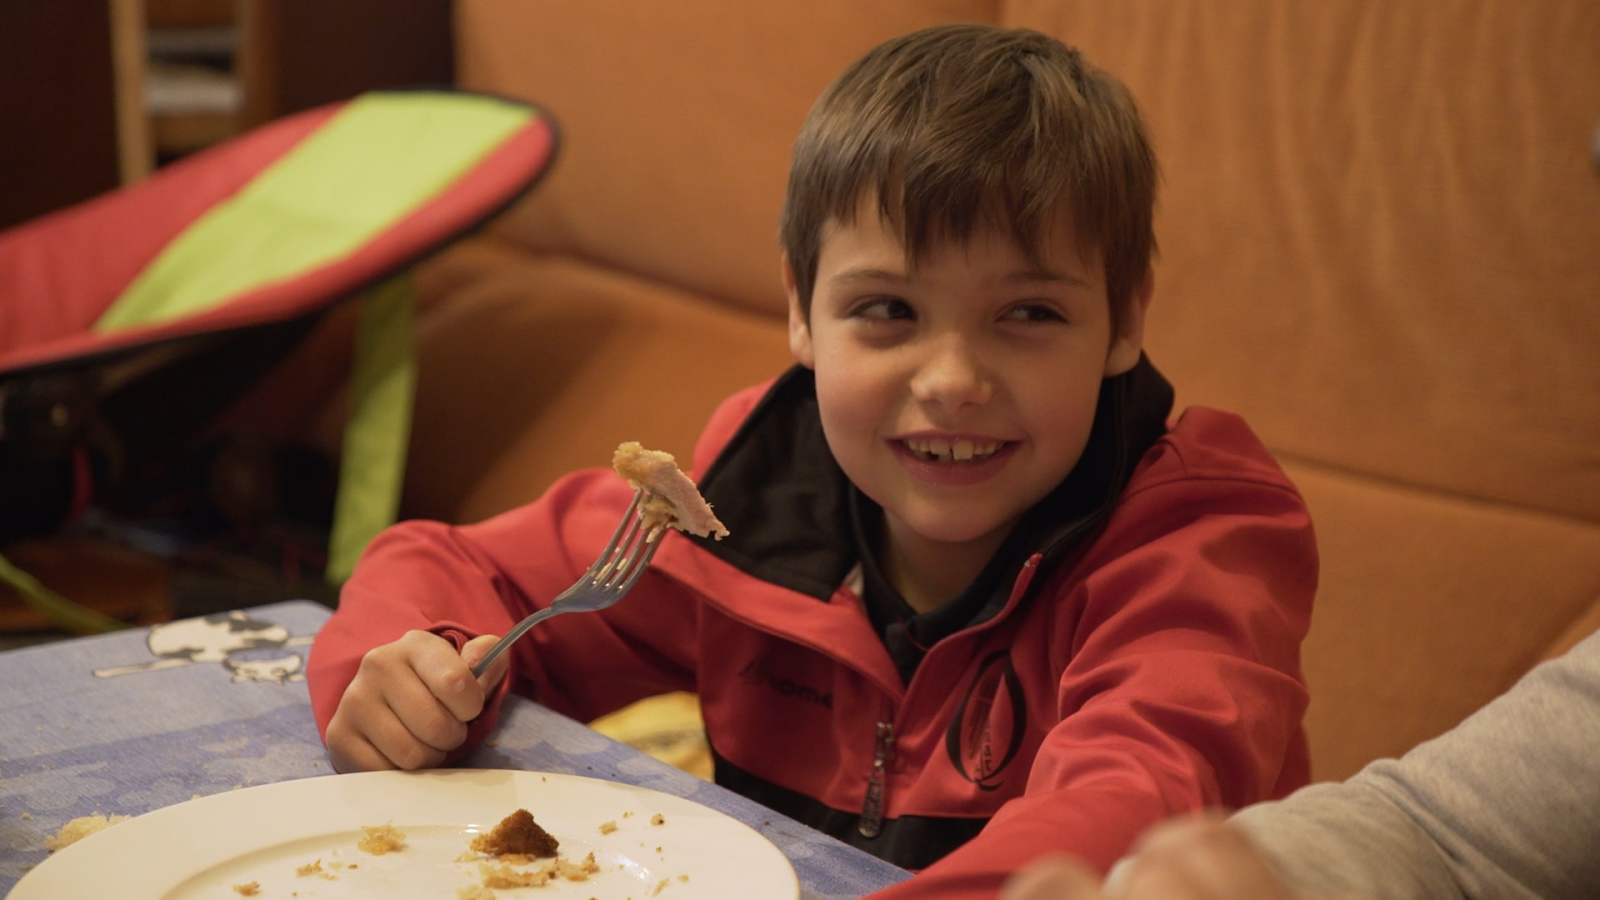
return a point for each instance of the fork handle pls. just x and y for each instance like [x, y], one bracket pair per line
[511, 638]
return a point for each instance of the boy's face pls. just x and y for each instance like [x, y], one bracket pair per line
[958, 393]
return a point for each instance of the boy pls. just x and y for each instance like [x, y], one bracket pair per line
[976, 595]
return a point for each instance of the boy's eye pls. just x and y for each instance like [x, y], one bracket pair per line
[883, 309]
[1033, 312]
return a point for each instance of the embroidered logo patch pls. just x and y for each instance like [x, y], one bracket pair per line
[986, 731]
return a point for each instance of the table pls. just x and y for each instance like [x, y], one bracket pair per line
[129, 722]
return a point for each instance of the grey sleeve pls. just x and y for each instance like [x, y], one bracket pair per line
[1506, 805]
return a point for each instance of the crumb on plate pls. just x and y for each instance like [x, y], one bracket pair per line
[503, 876]
[381, 839]
[577, 871]
[315, 868]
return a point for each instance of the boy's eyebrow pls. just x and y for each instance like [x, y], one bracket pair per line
[1025, 276]
[867, 273]
[1029, 276]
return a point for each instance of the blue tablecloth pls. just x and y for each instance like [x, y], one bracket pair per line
[130, 722]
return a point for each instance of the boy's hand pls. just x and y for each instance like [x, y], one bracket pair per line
[409, 703]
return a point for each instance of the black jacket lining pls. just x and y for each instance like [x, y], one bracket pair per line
[911, 842]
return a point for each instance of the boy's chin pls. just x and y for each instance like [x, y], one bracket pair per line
[958, 528]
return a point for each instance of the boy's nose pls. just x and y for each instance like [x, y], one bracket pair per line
[952, 375]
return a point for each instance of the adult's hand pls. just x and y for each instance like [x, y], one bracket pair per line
[1183, 859]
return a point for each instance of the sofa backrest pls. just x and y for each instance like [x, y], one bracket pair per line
[1380, 234]
[677, 119]
[1381, 243]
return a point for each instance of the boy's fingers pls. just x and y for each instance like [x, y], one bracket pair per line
[354, 753]
[421, 713]
[1053, 878]
[366, 735]
[447, 676]
[391, 703]
[401, 746]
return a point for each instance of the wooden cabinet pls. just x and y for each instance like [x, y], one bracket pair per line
[78, 79]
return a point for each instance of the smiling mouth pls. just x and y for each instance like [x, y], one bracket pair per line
[937, 450]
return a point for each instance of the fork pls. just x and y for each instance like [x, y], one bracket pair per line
[613, 574]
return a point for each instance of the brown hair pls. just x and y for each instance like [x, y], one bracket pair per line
[958, 127]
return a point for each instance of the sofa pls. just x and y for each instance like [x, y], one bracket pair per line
[1380, 243]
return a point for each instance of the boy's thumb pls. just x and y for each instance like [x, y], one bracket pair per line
[476, 649]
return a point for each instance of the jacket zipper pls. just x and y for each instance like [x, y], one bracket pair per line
[872, 809]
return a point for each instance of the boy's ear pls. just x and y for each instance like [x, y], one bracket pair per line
[1128, 342]
[799, 328]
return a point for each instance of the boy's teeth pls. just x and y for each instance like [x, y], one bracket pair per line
[961, 450]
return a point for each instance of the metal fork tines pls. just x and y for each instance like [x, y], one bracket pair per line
[615, 571]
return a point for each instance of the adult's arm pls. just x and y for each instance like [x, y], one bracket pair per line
[1506, 805]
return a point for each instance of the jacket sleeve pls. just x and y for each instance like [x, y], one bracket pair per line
[461, 582]
[1178, 639]
[1507, 804]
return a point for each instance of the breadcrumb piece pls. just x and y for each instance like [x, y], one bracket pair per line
[517, 834]
[658, 819]
[381, 839]
[475, 892]
[80, 828]
[608, 826]
[249, 889]
[315, 868]
[577, 871]
[503, 876]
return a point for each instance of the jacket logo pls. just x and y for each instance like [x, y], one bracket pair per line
[759, 671]
[987, 729]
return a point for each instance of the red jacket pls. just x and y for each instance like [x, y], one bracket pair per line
[1148, 668]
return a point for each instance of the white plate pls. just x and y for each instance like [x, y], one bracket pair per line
[201, 849]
